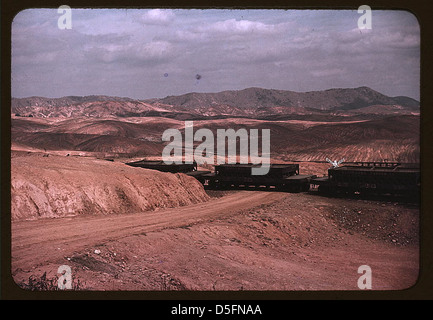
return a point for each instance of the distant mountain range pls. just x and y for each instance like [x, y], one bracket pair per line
[332, 99]
[250, 102]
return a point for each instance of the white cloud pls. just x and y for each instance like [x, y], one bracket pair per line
[291, 50]
[158, 16]
[155, 50]
[131, 53]
[233, 27]
[241, 26]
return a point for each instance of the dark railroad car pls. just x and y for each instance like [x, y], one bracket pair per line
[162, 166]
[280, 177]
[392, 178]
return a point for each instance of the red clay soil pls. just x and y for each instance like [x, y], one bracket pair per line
[238, 240]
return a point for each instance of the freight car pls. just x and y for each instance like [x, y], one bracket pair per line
[372, 178]
[189, 169]
[284, 177]
[162, 166]
[367, 178]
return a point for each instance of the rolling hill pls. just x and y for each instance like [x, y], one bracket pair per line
[358, 124]
[249, 103]
[332, 99]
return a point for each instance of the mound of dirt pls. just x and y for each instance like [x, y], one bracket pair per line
[56, 186]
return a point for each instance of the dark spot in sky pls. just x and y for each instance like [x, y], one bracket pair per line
[198, 77]
[166, 75]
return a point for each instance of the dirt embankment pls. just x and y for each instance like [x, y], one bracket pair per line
[57, 186]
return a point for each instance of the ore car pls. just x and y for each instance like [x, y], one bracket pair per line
[284, 177]
[162, 166]
[379, 178]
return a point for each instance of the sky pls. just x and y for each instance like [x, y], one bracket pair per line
[155, 53]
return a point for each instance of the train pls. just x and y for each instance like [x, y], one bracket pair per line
[372, 178]
[366, 178]
[164, 167]
[284, 177]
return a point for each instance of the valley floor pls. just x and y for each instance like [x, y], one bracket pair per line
[236, 241]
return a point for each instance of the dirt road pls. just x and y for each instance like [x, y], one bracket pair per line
[36, 242]
[238, 240]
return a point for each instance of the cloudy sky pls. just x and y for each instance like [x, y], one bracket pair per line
[155, 53]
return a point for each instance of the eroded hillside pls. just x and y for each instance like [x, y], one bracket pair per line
[57, 186]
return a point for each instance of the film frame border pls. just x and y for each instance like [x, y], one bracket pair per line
[421, 290]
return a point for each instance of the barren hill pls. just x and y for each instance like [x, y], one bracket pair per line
[341, 99]
[89, 106]
[392, 138]
[55, 186]
[64, 101]
[94, 143]
[359, 124]
[250, 102]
